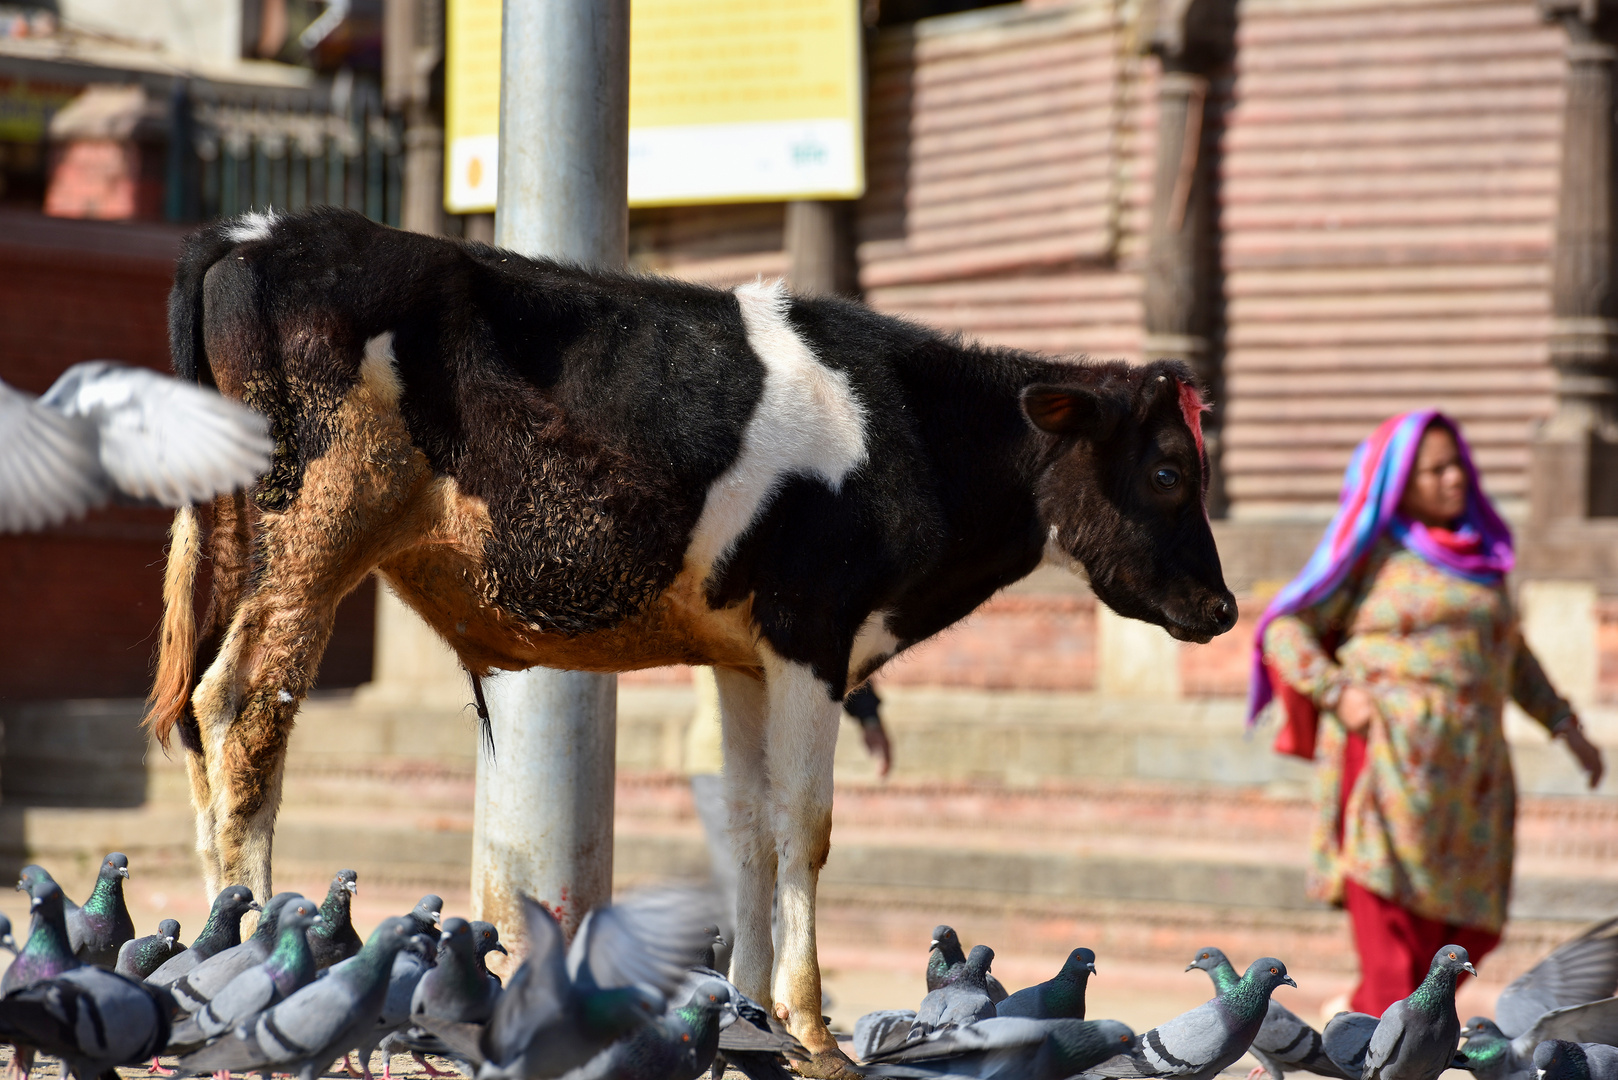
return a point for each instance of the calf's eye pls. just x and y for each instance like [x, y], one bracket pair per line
[1166, 479]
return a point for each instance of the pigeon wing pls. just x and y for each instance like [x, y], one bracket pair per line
[881, 1030]
[48, 467]
[1189, 1043]
[536, 994]
[1347, 1039]
[1592, 1022]
[648, 939]
[161, 438]
[1000, 1033]
[1386, 1040]
[1585, 969]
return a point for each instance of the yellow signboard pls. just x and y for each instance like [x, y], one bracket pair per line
[729, 100]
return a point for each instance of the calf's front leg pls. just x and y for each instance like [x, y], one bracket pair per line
[752, 840]
[800, 744]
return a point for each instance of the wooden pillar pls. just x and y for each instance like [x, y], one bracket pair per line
[820, 248]
[1571, 473]
[413, 46]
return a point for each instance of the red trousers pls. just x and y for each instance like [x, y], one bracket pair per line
[1396, 945]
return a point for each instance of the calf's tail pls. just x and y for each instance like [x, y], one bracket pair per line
[177, 647]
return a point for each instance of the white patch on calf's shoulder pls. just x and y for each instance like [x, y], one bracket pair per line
[379, 373]
[807, 423]
[873, 645]
[251, 226]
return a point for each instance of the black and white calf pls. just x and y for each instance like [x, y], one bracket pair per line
[607, 472]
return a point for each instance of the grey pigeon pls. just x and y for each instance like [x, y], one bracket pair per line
[1285, 1041]
[409, 965]
[1584, 969]
[1058, 998]
[1010, 1048]
[104, 427]
[456, 988]
[964, 1000]
[91, 1018]
[288, 969]
[222, 931]
[752, 1044]
[1198, 1044]
[315, 1026]
[1347, 1039]
[6, 940]
[946, 959]
[564, 1006]
[1490, 1055]
[198, 986]
[143, 955]
[1416, 1037]
[334, 938]
[1559, 1059]
[46, 953]
[881, 1028]
[485, 940]
[679, 1045]
[99, 928]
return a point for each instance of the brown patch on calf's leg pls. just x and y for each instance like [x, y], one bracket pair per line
[800, 743]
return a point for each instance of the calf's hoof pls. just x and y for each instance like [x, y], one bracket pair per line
[829, 1065]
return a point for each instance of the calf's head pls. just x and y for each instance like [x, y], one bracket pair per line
[1123, 489]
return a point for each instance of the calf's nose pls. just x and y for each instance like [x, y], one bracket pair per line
[1224, 613]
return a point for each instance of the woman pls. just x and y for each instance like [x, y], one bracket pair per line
[1400, 631]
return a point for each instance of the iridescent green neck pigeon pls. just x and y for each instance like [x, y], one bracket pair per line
[308, 1031]
[1009, 1048]
[1562, 1059]
[1058, 998]
[46, 953]
[99, 928]
[92, 1019]
[946, 960]
[1199, 1044]
[202, 983]
[1490, 1055]
[1285, 1041]
[334, 938]
[1415, 1038]
[222, 931]
[288, 969]
[143, 955]
[679, 1045]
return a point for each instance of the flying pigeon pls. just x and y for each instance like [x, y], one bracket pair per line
[222, 931]
[334, 938]
[306, 1032]
[91, 1018]
[1197, 1045]
[99, 928]
[288, 969]
[946, 960]
[1416, 1037]
[1559, 1059]
[1584, 969]
[1285, 1041]
[1490, 1055]
[104, 427]
[564, 1006]
[143, 955]
[1058, 998]
[1009, 1048]
[198, 986]
[679, 1045]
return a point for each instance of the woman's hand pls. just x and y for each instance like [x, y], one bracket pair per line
[1588, 755]
[1356, 708]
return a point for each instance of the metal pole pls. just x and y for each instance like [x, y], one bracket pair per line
[545, 802]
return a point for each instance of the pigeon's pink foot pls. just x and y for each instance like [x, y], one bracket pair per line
[432, 1072]
[222, 1074]
[348, 1064]
[1257, 1071]
[157, 1067]
[387, 1067]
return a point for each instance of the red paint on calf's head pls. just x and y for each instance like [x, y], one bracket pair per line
[1191, 408]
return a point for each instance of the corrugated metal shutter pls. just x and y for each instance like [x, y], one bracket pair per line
[1001, 145]
[1389, 191]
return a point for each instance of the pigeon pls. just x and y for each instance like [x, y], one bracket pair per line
[1285, 1041]
[99, 928]
[425, 915]
[6, 940]
[947, 960]
[198, 986]
[884, 1028]
[32, 875]
[143, 955]
[1059, 998]
[1416, 1037]
[305, 1033]
[1490, 1055]
[288, 969]
[1560, 1059]
[1584, 969]
[1196, 1045]
[965, 1000]
[485, 940]
[456, 988]
[1347, 1039]
[755, 1046]
[222, 931]
[410, 966]
[334, 938]
[91, 1018]
[46, 953]
[679, 1045]
[104, 427]
[1010, 1048]
[564, 1006]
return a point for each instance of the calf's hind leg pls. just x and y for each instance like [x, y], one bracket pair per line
[752, 838]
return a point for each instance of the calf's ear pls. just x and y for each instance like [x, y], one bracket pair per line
[1072, 410]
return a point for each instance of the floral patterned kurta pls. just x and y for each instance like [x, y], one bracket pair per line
[1429, 821]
